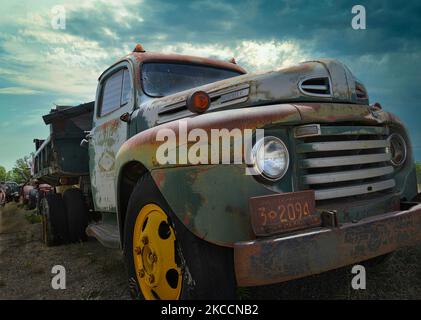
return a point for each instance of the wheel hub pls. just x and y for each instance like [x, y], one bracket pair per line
[158, 275]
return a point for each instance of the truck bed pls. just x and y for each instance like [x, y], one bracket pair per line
[61, 155]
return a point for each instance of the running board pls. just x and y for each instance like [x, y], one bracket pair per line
[107, 234]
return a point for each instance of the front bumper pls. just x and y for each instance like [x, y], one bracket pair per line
[274, 260]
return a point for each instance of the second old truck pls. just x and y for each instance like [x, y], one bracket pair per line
[322, 180]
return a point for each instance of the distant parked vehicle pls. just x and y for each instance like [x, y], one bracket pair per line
[11, 189]
[2, 195]
[26, 193]
[40, 192]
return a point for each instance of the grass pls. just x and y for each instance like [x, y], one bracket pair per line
[91, 295]
[33, 218]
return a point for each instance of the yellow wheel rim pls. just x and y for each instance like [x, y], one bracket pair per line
[157, 272]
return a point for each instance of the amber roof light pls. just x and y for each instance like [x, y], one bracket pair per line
[138, 48]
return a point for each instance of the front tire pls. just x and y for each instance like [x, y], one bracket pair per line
[164, 259]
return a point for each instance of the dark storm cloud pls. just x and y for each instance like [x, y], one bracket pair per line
[391, 26]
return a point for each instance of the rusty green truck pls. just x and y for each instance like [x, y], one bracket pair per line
[328, 180]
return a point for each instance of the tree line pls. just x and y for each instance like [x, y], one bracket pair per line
[20, 173]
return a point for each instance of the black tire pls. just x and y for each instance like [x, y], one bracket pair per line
[77, 214]
[31, 204]
[54, 220]
[208, 269]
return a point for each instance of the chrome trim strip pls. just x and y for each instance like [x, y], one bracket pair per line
[182, 104]
[345, 160]
[314, 87]
[229, 90]
[342, 145]
[302, 90]
[354, 190]
[315, 126]
[350, 175]
[354, 130]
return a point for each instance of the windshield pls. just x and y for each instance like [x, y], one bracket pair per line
[162, 79]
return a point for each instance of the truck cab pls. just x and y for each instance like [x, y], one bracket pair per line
[209, 178]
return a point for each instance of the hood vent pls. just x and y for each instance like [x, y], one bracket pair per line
[319, 87]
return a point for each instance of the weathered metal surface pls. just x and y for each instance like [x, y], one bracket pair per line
[349, 175]
[274, 118]
[141, 57]
[279, 213]
[340, 161]
[342, 145]
[142, 147]
[344, 160]
[362, 188]
[106, 234]
[109, 132]
[60, 155]
[267, 261]
[211, 201]
[264, 88]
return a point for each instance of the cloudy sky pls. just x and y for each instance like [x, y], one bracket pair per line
[41, 66]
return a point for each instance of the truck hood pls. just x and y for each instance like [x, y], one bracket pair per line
[325, 80]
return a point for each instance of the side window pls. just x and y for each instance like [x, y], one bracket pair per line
[127, 88]
[115, 92]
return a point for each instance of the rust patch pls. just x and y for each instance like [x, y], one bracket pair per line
[274, 260]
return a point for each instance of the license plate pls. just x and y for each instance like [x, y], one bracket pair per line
[283, 212]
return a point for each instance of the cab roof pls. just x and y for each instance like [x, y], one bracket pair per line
[141, 57]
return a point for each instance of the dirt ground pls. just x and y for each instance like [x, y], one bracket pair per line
[95, 272]
[92, 271]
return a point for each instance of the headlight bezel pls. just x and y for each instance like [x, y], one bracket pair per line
[255, 159]
[405, 149]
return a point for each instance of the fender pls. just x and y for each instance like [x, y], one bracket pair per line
[197, 214]
[212, 200]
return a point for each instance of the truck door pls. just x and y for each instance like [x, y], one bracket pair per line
[115, 96]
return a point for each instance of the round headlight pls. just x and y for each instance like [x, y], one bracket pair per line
[397, 149]
[270, 158]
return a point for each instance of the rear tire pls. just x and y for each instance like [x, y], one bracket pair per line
[77, 214]
[206, 270]
[54, 220]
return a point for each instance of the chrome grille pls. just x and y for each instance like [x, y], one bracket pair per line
[343, 161]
